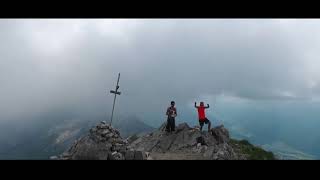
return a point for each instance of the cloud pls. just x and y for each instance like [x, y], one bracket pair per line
[72, 64]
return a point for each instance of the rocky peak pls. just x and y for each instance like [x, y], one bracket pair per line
[102, 143]
[187, 141]
[105, 143]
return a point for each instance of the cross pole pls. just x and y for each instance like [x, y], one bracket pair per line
[116, 92]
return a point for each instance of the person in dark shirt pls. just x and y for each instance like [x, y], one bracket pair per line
[171, 113]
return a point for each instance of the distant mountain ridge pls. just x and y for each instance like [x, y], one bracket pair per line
[55, 137]
[285, 152]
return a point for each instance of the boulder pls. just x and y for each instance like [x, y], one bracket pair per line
[182, 127]
[130, 155]
[140, 155]
[201, 140]
[116, 156]
[221, 134]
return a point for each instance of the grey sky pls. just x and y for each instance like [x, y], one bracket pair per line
[71, 64]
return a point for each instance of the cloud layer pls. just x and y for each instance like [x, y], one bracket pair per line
[72, 64]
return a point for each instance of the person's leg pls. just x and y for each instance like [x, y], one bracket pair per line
[173, 124]
[209, 125]
[201, 125]
[168, 125]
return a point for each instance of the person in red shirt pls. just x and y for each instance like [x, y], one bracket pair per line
[202, 115]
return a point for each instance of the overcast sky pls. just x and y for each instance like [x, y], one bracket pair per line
[71, 64]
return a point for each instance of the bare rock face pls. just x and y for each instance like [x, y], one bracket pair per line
[102, 143]
[189, 141]
[221, 134]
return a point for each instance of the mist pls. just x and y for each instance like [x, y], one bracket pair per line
[68, 66]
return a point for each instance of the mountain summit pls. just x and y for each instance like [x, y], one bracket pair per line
[187, 143]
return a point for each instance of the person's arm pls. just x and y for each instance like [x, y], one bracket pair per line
[167, 113]
[207, 106]
[176, 112]
[195, 104]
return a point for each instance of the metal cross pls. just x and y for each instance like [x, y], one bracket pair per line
[116, 92]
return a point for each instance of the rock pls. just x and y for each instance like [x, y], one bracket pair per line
[116, 156]
[147, 154]
[181, 127]
[186, 140]
[209, 152]
[103, 122]
[102, 140]
[197, 128]
[139, 155]
[105, 133]
[203, 149]
[109, 135]
[105, 143]
[221, 134]
[201, 140]
[93, 130]
[130, 155]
